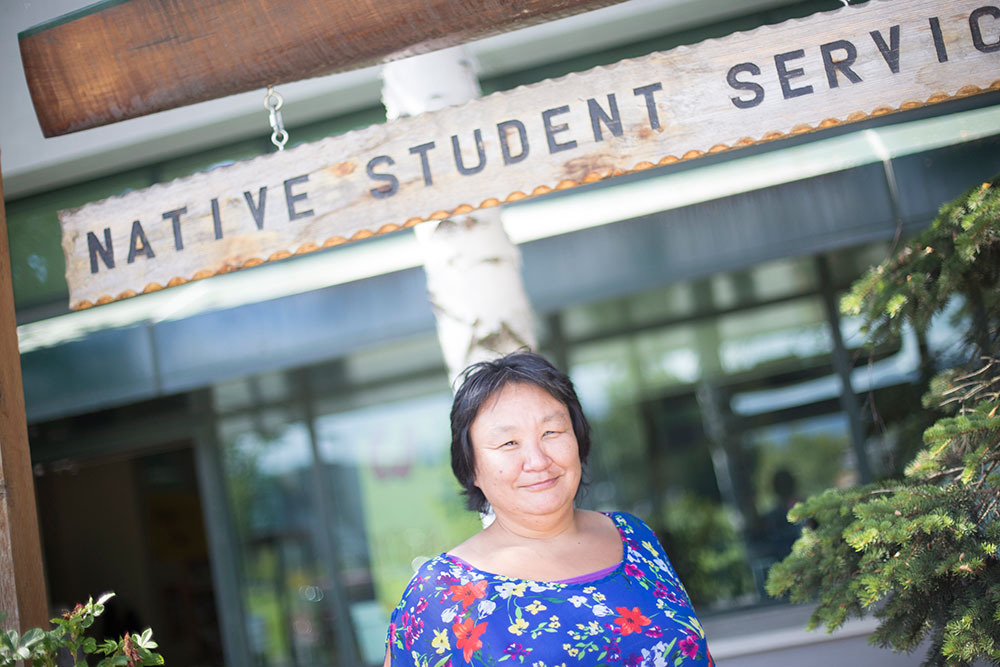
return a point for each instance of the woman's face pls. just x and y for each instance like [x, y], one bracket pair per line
[527, 457]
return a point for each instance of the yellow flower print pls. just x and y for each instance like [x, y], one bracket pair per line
[554, 622]
[517, 627]
[536, 607]
[594, 627]
[599, 597]
[565, 647]
[589, 589]
[573, 651]
[440, 641]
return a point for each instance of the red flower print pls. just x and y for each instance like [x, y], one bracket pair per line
[689, 646]
[467, 637]
[630, 620]
[469, 593]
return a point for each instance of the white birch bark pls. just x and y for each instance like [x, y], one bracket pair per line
[473, 269]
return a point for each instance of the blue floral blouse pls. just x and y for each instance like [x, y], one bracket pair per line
[638, 613]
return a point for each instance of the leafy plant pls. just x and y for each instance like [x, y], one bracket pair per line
[68, 636]
[920, 553]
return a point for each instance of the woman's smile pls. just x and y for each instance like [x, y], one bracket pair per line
[542, 485]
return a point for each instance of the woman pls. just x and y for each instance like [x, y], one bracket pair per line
[545, 583]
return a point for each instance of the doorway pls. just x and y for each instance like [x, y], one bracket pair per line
[133, 524]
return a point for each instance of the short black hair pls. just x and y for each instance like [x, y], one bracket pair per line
[485, 379]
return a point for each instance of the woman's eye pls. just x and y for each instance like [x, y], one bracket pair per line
[509, 443]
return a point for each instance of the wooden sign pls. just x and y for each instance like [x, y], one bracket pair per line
[834, 67]
[115, 60]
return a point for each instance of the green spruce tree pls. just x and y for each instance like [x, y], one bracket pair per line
[920, 552]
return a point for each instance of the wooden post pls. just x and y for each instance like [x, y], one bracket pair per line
[22, 584]
[473, 269]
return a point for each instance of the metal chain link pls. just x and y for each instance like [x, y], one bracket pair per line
[273, 102]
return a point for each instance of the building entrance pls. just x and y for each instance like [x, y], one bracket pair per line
[133, 525]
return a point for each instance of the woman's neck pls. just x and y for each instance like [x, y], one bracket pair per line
[536, 528]
[579, 543]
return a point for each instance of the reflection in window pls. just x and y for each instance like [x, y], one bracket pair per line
[288, 601]
[709, 423]
[334, 513]
[405, 492]
[791, 461]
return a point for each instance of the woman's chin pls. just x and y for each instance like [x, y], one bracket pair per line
[540, 505]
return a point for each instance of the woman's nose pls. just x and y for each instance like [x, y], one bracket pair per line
[535, 456]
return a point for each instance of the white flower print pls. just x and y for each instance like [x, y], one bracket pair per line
[577, 600]
[654, 658]
[449, 614]
[486, 608]
[509, 588]
[601, 610]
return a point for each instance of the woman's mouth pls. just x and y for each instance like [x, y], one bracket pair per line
[541, 486]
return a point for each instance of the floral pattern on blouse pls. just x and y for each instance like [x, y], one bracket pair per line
[453, 615]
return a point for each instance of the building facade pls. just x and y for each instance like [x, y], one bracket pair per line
[257, 463]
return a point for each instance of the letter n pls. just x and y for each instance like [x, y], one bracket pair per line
[107, 251]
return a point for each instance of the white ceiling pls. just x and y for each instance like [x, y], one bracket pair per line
[32, 163]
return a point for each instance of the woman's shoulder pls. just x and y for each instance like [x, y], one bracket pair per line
[432, 582]
[442, 568]
[629, 523]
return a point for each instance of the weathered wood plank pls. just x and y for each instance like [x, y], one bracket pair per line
[119, 60]
[802, 75]
[22, 584]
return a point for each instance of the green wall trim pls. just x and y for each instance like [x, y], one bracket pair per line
[67, 18]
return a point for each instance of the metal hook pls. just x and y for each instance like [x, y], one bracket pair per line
[273, 103]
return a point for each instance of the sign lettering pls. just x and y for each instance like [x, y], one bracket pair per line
[835, 67]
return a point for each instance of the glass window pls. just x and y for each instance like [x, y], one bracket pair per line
[709, 420]
[289, 594]
[395, 497]
[338, 497]
[672, 301]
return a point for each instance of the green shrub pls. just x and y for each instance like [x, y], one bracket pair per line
[920, 553]
[68, 636]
